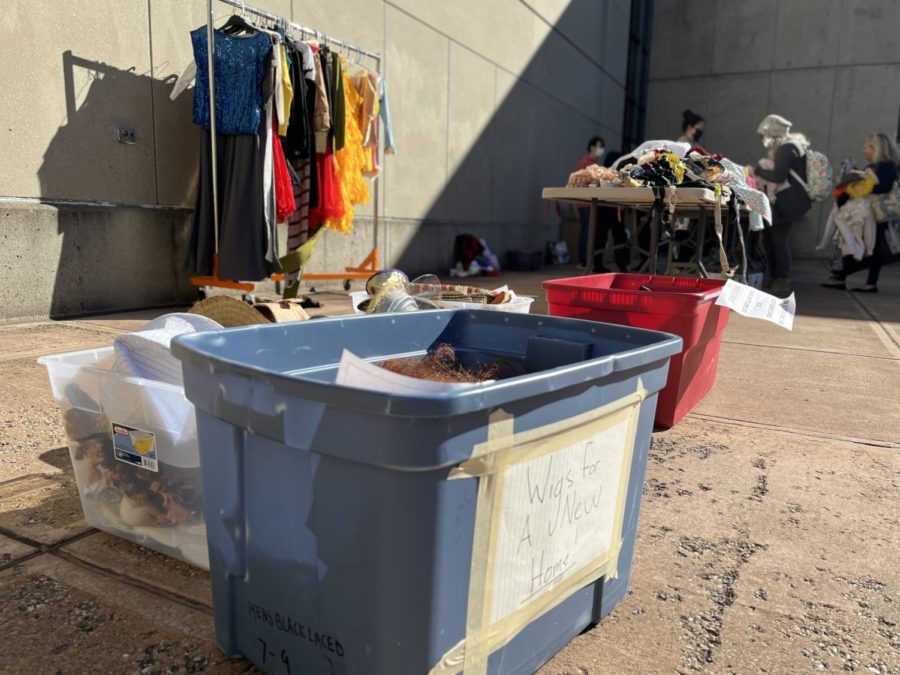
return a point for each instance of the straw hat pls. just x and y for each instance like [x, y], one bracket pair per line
[229, 312]
[283, 311]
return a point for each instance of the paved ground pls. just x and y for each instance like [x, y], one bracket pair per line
[768, 539]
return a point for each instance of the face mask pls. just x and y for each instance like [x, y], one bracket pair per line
[599, 152]
[697, 134]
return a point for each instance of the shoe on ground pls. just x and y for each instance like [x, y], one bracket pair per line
[835, 284]
[781, 287]
[866, 289]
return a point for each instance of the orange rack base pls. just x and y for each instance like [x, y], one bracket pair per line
[364, 270]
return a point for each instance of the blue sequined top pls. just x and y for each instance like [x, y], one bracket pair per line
[240, 68]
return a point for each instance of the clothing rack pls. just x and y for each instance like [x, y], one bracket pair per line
[372, 262]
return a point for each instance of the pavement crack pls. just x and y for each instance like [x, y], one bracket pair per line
[760, 489]
[135, 583]
[806, 433]
[721, 569]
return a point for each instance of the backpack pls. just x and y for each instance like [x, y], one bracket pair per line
[819, 176]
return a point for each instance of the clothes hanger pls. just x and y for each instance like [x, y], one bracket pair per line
[238, 22]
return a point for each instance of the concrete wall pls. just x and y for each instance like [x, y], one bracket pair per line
[491, 101]
[832, 67]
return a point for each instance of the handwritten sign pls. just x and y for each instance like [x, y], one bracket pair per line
[557, 515]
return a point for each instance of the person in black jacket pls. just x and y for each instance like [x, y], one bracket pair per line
[791, 203]
[609, 221]
[883, 157]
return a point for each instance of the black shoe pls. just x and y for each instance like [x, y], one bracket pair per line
[835, 285]
[780, 288]
[866, 289]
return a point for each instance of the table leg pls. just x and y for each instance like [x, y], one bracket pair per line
[655, 227]
[592, 236]
[632, 242]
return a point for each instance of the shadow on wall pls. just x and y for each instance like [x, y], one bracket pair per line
[120, 256]
[531, 136]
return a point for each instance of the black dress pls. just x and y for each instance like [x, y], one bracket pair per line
[243, 230]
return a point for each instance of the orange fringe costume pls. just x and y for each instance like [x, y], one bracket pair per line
[351, 160]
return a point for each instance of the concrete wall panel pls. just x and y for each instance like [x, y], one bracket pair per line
[683, 35]
[59, 120]
[869, 31]
[417, 70]
[669, 98]
[54, 259]
[736, 105]
[798, 95]
[515, 141]
[562, 72]
[615, 43]
[360, 22]
[805, 38]
[472, 104]
[866, 100]
[581, 22]
[745, 36]
[503, 31]
[613, 104]
[175, 138]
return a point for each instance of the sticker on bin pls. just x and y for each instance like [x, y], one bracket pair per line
[135, 446]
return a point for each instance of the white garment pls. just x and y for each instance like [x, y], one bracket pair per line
[280, 111]
[676, 148]
[755, 200]
[269, 199]
[146, 353]
[852, 227]
[309, 60]
[184, 80]
[160, 408]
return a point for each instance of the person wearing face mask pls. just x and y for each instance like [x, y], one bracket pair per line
[791, 201]
[691, 127]
[596, 148]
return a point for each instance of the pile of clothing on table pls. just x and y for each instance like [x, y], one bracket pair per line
[664, 164]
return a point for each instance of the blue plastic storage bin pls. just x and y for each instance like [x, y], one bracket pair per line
[353, 531]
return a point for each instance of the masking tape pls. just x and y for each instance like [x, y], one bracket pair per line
[489, 461]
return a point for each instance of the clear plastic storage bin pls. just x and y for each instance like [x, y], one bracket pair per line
[133, 444]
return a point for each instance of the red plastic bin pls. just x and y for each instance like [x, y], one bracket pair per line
[684, 306]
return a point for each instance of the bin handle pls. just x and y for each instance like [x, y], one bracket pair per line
[247, 418]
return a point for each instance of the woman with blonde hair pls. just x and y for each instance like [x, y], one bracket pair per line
[787, 170]
[884, 162]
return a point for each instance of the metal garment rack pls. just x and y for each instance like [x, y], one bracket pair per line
[372, 262]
